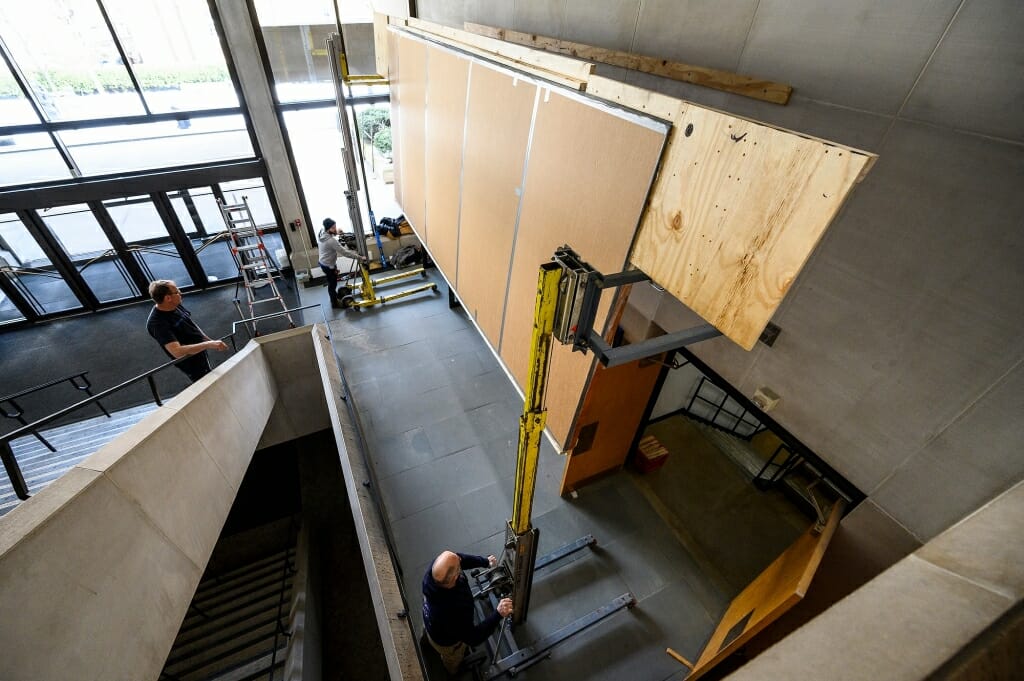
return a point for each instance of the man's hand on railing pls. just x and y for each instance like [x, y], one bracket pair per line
[220, 346]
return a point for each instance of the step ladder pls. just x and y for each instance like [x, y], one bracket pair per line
[255, 266]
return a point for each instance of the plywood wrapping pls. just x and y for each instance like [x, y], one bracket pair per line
[396, 114]
[513, 212]
[412, 78]
[736, 211]
[554, 64]
[381, 43]
[492, 177]
[447, 78]
[574, 195]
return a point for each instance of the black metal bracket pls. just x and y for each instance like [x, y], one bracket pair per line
[578, 324]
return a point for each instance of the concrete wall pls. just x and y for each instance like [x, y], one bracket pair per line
[302, 407]
[98, 569]
[900, 358]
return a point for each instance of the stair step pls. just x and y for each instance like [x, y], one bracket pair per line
[74, 443]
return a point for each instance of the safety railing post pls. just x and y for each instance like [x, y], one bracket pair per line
[13, 470]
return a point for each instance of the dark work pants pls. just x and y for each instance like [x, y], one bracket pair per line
[332, 282]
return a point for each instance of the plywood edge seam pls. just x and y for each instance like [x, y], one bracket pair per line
[569, 67]
[524, 68]
[671, 109]
[726, 81]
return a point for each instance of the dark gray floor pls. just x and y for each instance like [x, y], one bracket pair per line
[113, 346]
[440, 417]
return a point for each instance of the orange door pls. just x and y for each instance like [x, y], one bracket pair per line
[776, 590]
[609, 420]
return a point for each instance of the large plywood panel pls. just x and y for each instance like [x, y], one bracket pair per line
[447, 80]
[492, 178]
[588, 174]
[736, 210]
[412, 75]
[394, 76]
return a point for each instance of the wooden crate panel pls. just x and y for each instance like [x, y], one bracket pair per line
[396, 113]
[491, 180]
[447, 77]
[412, 77]
[735, 213]
[588, 175]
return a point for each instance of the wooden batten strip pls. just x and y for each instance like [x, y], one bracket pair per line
[380, 43]
[727, 81]
[557, 78]
[567, 66]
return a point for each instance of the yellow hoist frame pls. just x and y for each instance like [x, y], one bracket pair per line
[568, 294]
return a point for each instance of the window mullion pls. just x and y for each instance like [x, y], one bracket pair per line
[22, 82]
[124, 56]
[59, 258]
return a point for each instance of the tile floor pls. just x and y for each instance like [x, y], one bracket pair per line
[440, 416]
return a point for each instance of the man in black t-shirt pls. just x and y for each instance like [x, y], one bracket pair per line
[172, 326]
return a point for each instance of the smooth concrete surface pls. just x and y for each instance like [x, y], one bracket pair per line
[301, 407]
[861, 53]
[918, 614]
[700, 32]
[96, 590]
[613, 29]
[973, 80]
[98, 569]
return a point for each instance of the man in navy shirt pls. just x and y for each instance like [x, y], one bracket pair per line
[172, 326]
[448, 607]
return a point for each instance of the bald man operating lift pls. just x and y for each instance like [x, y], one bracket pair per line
[448, 607]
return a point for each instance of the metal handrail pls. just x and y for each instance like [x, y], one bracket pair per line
[19, 412]
[7, 455]
[56, 381]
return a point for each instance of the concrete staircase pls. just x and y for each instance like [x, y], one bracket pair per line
[74, 442]
[234, 627]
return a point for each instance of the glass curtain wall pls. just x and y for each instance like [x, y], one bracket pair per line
[295, 37]
[30, 273]
[96, 89]
[156, 67]
[79, 234]
[138, 221]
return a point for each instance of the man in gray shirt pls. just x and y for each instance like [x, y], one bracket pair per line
[329, 250]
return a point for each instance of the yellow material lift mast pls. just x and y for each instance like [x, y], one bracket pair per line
[568, 293]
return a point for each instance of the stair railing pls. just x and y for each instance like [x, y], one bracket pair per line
[7, 454]
[13, 410]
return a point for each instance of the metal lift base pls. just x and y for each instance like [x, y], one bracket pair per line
[521, 658]
[532, 654]
[364, 295]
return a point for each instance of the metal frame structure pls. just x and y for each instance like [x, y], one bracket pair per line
[568, 294]
[364, 294]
